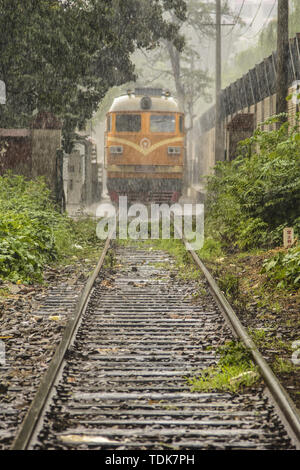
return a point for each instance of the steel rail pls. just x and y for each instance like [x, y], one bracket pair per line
[37, 406]
[278, 393]
[284, 402]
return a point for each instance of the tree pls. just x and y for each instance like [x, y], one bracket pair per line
[63, 56]
[182, 70]
[282, 56]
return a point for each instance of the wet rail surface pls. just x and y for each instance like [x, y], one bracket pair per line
[123, 383]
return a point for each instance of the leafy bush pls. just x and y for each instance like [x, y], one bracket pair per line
[25, 245]
[234, 370]
[251, 199]
[285, 268]
[32, 232]
[234, 353]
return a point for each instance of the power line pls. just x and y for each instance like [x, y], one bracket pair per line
[242, 34]
[254, 18]
[237, 18]
[239, 35]
[263, 26]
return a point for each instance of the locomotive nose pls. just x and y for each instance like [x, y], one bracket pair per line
[145, 147]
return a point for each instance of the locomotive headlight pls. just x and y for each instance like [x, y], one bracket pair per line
[174, 150]
[116, 149]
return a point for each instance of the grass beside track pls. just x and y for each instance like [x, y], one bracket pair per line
[34, 234]
[269, 311]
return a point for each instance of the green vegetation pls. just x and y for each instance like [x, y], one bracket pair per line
[285, 268]
[110, 260]
[4, 292]
[235, 370]
[263, 339]
[76, 240]
[184, 263]
[230, 285]
[251, 199]
[33, 233]
[283, 366]
[211, 249]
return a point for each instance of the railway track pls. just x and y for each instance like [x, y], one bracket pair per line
[118, 379]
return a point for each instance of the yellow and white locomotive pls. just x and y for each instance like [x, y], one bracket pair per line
[144, 147]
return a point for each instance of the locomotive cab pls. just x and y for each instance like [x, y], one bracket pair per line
[145, 147]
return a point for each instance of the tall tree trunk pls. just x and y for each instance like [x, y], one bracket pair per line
[282, 56]
[175, 62]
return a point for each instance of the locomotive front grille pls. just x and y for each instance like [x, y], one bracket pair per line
[151, 197]
[145, 169]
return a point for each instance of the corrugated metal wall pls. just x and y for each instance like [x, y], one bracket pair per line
[254, 93]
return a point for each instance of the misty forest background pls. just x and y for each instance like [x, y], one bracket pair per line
[72, 57]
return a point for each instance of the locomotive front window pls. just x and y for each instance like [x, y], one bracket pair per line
[128, 123]
[162, 123]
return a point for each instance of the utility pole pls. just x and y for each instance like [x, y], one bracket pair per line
[219, 144]
[282, 56]
[218, 126]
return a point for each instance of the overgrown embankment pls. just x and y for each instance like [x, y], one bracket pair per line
[34, 234]
[253, 198]
[249, 202]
